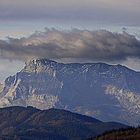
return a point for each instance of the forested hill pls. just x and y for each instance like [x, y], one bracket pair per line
[121, 134]
[21, 123]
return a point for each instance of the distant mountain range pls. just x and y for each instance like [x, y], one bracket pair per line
[20, 123]
[107, 92]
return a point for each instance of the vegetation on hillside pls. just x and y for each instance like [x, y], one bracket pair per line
[130, 133]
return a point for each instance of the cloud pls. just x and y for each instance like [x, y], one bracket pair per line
[76, 44]
[83, 10]
[8, 68]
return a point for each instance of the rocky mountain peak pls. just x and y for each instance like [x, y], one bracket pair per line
[108, 92]
[38, 65]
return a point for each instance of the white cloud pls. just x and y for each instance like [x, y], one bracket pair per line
[8, 68]
[76, 44]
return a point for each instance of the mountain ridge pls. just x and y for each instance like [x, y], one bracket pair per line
[31, 123]
[108, 92]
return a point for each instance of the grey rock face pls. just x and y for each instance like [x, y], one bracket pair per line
[107, 92]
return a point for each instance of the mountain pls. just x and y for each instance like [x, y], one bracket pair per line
[1, 87]
[20, 123]
[121, 134]
[106, 92]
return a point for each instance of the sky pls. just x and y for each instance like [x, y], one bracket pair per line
[99, 11]
[69, 31]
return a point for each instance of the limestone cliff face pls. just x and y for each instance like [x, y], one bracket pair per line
[108, 92]
[1, 87]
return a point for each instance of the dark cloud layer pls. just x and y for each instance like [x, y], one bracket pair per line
[89, 45]
[104, 11]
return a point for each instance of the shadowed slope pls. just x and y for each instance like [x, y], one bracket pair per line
[30, 123]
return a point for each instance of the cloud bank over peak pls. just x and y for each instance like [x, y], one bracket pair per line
[75, 44]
